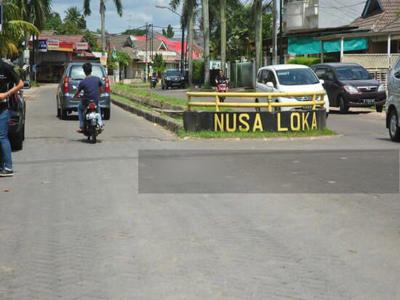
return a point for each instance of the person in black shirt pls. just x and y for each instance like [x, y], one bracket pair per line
[221, 78]
[10, 83]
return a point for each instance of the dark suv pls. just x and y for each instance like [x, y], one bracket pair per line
[350, 85]
[172, 78]
[67, 88]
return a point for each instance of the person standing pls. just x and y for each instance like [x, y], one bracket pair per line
[10, 83]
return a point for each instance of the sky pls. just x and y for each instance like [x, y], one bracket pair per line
[135, 13]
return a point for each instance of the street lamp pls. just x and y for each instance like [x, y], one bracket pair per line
[183, 37]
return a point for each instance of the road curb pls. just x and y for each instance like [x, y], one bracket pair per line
[152, 117]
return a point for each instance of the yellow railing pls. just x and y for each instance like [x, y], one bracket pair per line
[270, 104]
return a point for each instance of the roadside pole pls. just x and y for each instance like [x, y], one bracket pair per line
[274, 33]
[145, 58]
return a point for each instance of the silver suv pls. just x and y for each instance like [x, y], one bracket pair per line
[393, 103]
[73, 75]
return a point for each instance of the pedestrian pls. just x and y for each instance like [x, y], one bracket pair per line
[10, 83]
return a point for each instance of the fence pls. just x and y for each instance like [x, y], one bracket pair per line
[270, 104]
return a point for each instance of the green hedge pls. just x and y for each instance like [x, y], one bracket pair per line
[309, 61]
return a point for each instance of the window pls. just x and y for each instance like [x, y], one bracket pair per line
[270, 78]
[173, 73]
[78, 74]
[352, 73]
[321, 73]
[297, 77]
[262, 75]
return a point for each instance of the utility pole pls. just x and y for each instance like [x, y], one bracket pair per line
[183, 51]
[145, 58]
[152, 42]
[274, 33]
[281, 55]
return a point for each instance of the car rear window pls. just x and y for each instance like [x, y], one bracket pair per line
[173, 73]
[352, 73]
[77, 73]
[297, 77]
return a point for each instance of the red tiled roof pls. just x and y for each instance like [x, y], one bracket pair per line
[63, 38]
[386, 21]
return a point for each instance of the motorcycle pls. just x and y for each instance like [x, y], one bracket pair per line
[92, 127]
[154, 81]
[222, 87]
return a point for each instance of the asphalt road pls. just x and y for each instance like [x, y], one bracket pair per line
[118, 220]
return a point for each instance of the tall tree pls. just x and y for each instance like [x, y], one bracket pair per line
[53, 22]
[223, 34]
[206, 32]
[87, 12]
[258, 12]
[187, 20]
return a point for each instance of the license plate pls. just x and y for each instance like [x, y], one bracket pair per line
[369, 101]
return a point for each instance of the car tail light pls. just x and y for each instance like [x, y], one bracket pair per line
[92, 106]
[66, 85]
[107, 88]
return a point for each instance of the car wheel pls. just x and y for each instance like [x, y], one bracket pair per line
[17, 141]
[343, 106]
[107, 114]
[379, 108]
[58, 112]
[64, 114]
[163, 87]
[394, 130]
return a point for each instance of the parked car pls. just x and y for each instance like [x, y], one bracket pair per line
[350, 85]
[72, 76]
[289, 78]
[172, 78]
[393, 103]
[16, 124]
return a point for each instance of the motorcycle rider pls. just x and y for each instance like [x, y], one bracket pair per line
[221, 78]
[91, 87]
[10, 83]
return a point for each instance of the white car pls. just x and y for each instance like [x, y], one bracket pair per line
[393, 103]
[289, 78]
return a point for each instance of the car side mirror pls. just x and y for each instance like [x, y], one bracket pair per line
[321, 81]
[270, 84]
[397, 74]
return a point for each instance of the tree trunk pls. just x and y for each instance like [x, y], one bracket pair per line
[258, 31]
[223, 34]
[206, 27]
[274, 33]
[190, 46]
[103, 25]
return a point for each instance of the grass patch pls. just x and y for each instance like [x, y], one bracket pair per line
[149, 93]
[35, 84]
[153, 95]
[253, 135]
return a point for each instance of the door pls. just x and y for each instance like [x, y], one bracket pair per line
[330, 86]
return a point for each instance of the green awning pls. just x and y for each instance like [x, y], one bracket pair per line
[312, 45]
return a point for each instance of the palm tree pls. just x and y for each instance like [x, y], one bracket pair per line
[187, 20]
[14, 29]
[74, 16]
[87, 12]
[206, 29]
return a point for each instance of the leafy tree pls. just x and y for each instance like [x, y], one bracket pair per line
[135, 32]
[159, 65]
[53, 22]
[169, 33]
[14, 29]
[92, 40]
